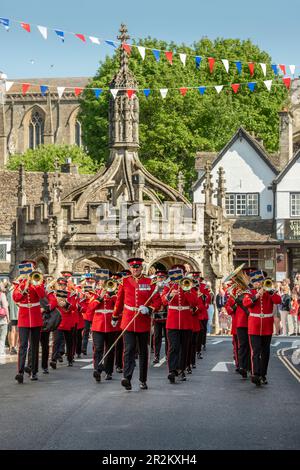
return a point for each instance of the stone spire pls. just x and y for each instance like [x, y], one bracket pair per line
[21, 186]
[221, 190]
[208, 185]
[123, 111]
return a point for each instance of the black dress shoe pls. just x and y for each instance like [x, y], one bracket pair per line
[126, 383]
[34, 377]
[53, 364]
[119, 370]
[70, 364]
[19, 378]
[45, 371]
[108, 377]
[143, 386]
[97, 376]
[84, 353]
[264, 380]
[199, 355]
[255, 379]
[27, 369]
[182, 377]
[193, 366]
[243, 373]
[171, 377]
[189, 370]
[60, 359]
[204, 348]
[155, 360]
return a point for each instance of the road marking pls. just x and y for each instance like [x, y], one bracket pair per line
[216, 342]
[83, 360]
[90, 366]
[275, 344]
[161, 362]
[295, 344]
[288, 365]
[221, 367]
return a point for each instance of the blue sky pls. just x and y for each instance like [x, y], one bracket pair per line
[272, 25]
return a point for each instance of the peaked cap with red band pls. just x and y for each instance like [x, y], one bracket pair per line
[135, 262]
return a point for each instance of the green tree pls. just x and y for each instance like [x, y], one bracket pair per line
[174, 128]
[43, 158]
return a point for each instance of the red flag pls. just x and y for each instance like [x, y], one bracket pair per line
[235, 87]
[287, 82]
[251, 68]
[130, 93]
[26, 26]
[81, 36]
[25, 87]
[283, 68]
[126, 48]
[78, 91]
[169, 56]
[211, 62]
[183, 91]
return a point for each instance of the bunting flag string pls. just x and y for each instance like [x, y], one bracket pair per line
[157, 53]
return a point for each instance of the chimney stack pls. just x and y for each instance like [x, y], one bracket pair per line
[285, 137]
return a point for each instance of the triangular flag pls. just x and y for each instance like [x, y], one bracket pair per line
[183, 91]
[235, 87]
[60, 91]
[26, 26]
[292, 69]
[268, 84]
[81, 37]
[60, 34]
[264, 68]
[274, 68]
[211, 62]
[219, 88]
[251, 68]
[226, 64]
[126, 48]
[147, 92]
[78, 91]
[43, 30]
[25, 87]
[198, 61]
[169, 56]
[142, 51]
[94, 40]
[282, 67]
[97, 92]
[44, 89]
[156, 54]
[114, 92]
[287, 81]
[163, 92]
[251, 85]
[111, 43]
[202, 90]
[182, 58]
[8, 86]
[130, 93]
[5, 23]
[238, 66]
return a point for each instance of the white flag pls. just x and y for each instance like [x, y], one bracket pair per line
[142, 51]
[226, 64]
[60, 91]
[114, 92]
[43, 30]
[8, 86]
[292, 69]
[94, 40]
[264, 69]
[183, 58]
[219, 88]
[268, 84]
[163, 92]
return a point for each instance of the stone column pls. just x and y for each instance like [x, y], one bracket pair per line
[285, 137]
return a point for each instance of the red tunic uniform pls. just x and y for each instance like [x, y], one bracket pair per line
[68, 316]
[261, 312]
[100, 311]
[30, 314]
[180, 307]
[132, 293]
[231, 310]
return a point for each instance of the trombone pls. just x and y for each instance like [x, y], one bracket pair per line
[36, 278]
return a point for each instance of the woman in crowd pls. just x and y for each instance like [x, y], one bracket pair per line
[285, 308]
[4, 320]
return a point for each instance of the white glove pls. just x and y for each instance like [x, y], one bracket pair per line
[143, 309]
[114, 322]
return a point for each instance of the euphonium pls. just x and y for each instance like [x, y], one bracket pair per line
[36, 277]
[186, 283]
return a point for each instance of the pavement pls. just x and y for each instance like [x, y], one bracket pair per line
[213, 409]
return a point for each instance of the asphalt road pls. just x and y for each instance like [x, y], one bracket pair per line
[213, 409]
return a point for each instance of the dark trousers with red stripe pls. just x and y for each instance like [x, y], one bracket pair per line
[243, 348]
[159, 332]
[131, 339]
[44, 339]
[26, 335]
[191, 354]
[235, 351]
[201, 341]
[119, 352]
[178, 341]
[102, 342]
[260, 354]
[68, 337]
[79, 341]
[86, 334]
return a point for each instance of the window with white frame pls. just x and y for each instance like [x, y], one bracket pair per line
[242, 205]
[295, 204]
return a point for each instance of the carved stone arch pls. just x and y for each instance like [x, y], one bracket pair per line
[173, 257]
[111, 262]
[42, 264]
[25, 122]
[71, 125]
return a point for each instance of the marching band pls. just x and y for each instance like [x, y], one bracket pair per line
[123, 310]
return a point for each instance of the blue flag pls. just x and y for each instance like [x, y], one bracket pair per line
[5, 22]
[239, 66]
[202, 90]
[111, 43]
[147, 92]
[275, 70]
[97, 92]
[60, 34]
[156, 54]
[44, 89]
[252, 86]
[198, 61]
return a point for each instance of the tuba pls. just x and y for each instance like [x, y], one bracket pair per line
[238, 279]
